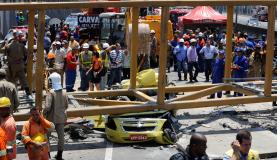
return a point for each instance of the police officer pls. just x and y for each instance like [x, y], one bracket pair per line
[85, 64]
[16, 55]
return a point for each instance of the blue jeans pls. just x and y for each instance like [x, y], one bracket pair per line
[182, 66]
[70, 79]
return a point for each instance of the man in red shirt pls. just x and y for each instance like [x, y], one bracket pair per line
[71, 69]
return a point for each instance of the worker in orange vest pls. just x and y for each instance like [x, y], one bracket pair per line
[34, 136]
[3, 143]
[9, 126]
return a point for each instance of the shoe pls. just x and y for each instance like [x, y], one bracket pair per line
[207, 80]
[195, 80]
[190, 81]
[180, 79]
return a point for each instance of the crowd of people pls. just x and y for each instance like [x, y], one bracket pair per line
[195, 51]
[191, 52]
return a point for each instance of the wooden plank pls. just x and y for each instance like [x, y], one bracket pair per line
[104, 102]
[199, 94]
[269, 50]
[134, 47]
[120, 92]
[163, 56]
[143, 96]
[31, 26]
[229, 43]
[89, 111]
[40, 59]
[141, 3]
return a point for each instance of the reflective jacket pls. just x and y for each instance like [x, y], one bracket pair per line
[30, 131]
[9, 126]
[3, 143]
[252, 155]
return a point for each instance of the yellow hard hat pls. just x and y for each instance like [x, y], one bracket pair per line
[39, 138]
[5, 102]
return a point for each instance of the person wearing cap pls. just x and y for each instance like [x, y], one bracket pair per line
[71, 65]
[56, 103]
[8, 89]
[209, 52]
[192, 61]
[7, 123]
[60, 59]
[240, 66]
[181, 55]
[85, 62]
[65, 46]
[153, 49]
[218, 71]
[104, 56]
[16, 56]
[34, 135]
[255, 62]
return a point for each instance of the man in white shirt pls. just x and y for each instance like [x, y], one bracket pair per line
[209, 52]
[60, 57]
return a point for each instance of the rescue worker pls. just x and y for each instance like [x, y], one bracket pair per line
[240, 66]
[60, 58]
[3, 145]
[55, 109]
[34, 135]
[104, 55]
[8, 89]
[85, 64]
[241, 148]
[218, 71]
[7, 123]
[71, 64]
[16, 56]
[196, 150]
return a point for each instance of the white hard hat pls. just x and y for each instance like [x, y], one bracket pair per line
[152, 31]
[193, 40]
[181, 40]
[200, 34]
[35, 47]
[85, 45]
[58, 43]
[211, 36]
[106, 45]
[56, 81]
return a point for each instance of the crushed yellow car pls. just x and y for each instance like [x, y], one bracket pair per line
[159, 126]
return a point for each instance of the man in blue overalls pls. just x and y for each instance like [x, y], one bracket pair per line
[218, 71]
[240, 66]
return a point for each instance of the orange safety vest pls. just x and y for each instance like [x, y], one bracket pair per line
[30, 130]
[3, 143]
[9, 126]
